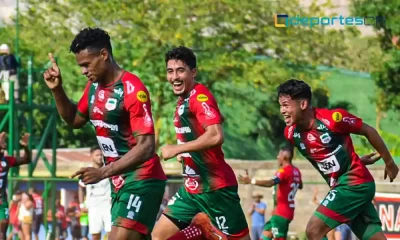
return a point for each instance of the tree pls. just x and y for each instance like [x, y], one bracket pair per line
[226, 35]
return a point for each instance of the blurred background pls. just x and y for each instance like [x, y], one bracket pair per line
[242, 58]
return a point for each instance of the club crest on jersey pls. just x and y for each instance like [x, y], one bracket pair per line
[310, 137]
[191, 184]
[181, 108]
[325, 138]
[302, 146]
[337, 116]
[111, 104]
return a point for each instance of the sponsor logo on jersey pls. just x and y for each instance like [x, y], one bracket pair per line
[97, 110]
[310, 137]
[349, 120]
[325, 138]
[329, 165]
[202, 98]
[315, 150]
[111, 104]
[302, 146]
[141, 96]
[183, 130]
[129, 87]
[326, 121]
[296, 135]
[207, 111]
[322, 127]
[119, 92]
[337, 116]
[100, 123]
[101, 95]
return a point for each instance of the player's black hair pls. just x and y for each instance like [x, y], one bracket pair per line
[91, 39]
[94, 148]
[182, 53]
[296, 89]
[288, 148]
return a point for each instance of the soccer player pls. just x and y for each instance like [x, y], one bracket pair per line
[286, 182]
[98, 199]
[210, 189]
[7, 162]
[117, 104]
[323, 137]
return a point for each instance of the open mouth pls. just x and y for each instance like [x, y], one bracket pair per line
[286, 118]
[178, 85]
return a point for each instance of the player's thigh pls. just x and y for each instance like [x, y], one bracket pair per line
[95, 221]
[344, 203]
[367, 224]
[135, 206]
[181, 208]
[224, 209]
[279, 226]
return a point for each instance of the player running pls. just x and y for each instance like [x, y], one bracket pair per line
[117, 104]
[211, 188]
[7, 162]
[285, 182]
[323, 137]
[98, 199]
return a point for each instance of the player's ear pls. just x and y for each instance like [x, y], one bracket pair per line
[304, 104]
[104, 54]
[194, 72]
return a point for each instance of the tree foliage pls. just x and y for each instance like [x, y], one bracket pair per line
[226, 36]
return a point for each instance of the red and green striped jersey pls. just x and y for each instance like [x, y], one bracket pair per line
[329, 148]
[119, 112]
[288, 181]
[6, 163]
[207, 170]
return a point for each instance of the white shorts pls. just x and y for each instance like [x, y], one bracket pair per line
[99, 218]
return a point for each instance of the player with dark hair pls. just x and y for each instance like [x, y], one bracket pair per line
[7, 162]
[117, 104]
[323, 137]
[210, 189]
[286, 182]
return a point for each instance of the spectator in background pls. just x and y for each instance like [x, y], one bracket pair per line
[8, 71]
[257, 213]
[25, 215]
[73, 214]
[61, 222]
[38, 212]
[14, 216]
[84, 219]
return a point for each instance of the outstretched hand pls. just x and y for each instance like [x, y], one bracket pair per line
[244, 179]
[24, 139]
[370, 158]
[89, 175]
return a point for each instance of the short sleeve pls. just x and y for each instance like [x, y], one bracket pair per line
[12, 161]
[344, 122]
[83, 104]
[262, 205]
[280, 174]
[137, 104]
[204, 106]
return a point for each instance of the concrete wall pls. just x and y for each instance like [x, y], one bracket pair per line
[304, 206]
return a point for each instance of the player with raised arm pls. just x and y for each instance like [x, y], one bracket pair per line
[323, 137]
[286, 182]
[7, 162]
[117, 104]
[210, 189]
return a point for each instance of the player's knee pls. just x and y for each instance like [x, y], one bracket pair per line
[268, 234]
[312, 233]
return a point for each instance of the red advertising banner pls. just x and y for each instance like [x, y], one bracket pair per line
[388, 207]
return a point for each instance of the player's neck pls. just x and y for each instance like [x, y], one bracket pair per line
[307, 121]
[284, 164]
[113, 73]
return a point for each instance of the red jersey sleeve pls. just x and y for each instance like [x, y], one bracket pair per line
[137, 104]
[344, 122]
[280, 174]
[12, 161]
[83, 104]
[289, 134]
[204, 106]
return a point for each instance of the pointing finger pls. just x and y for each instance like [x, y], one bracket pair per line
[79, 172]
[53, 61]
